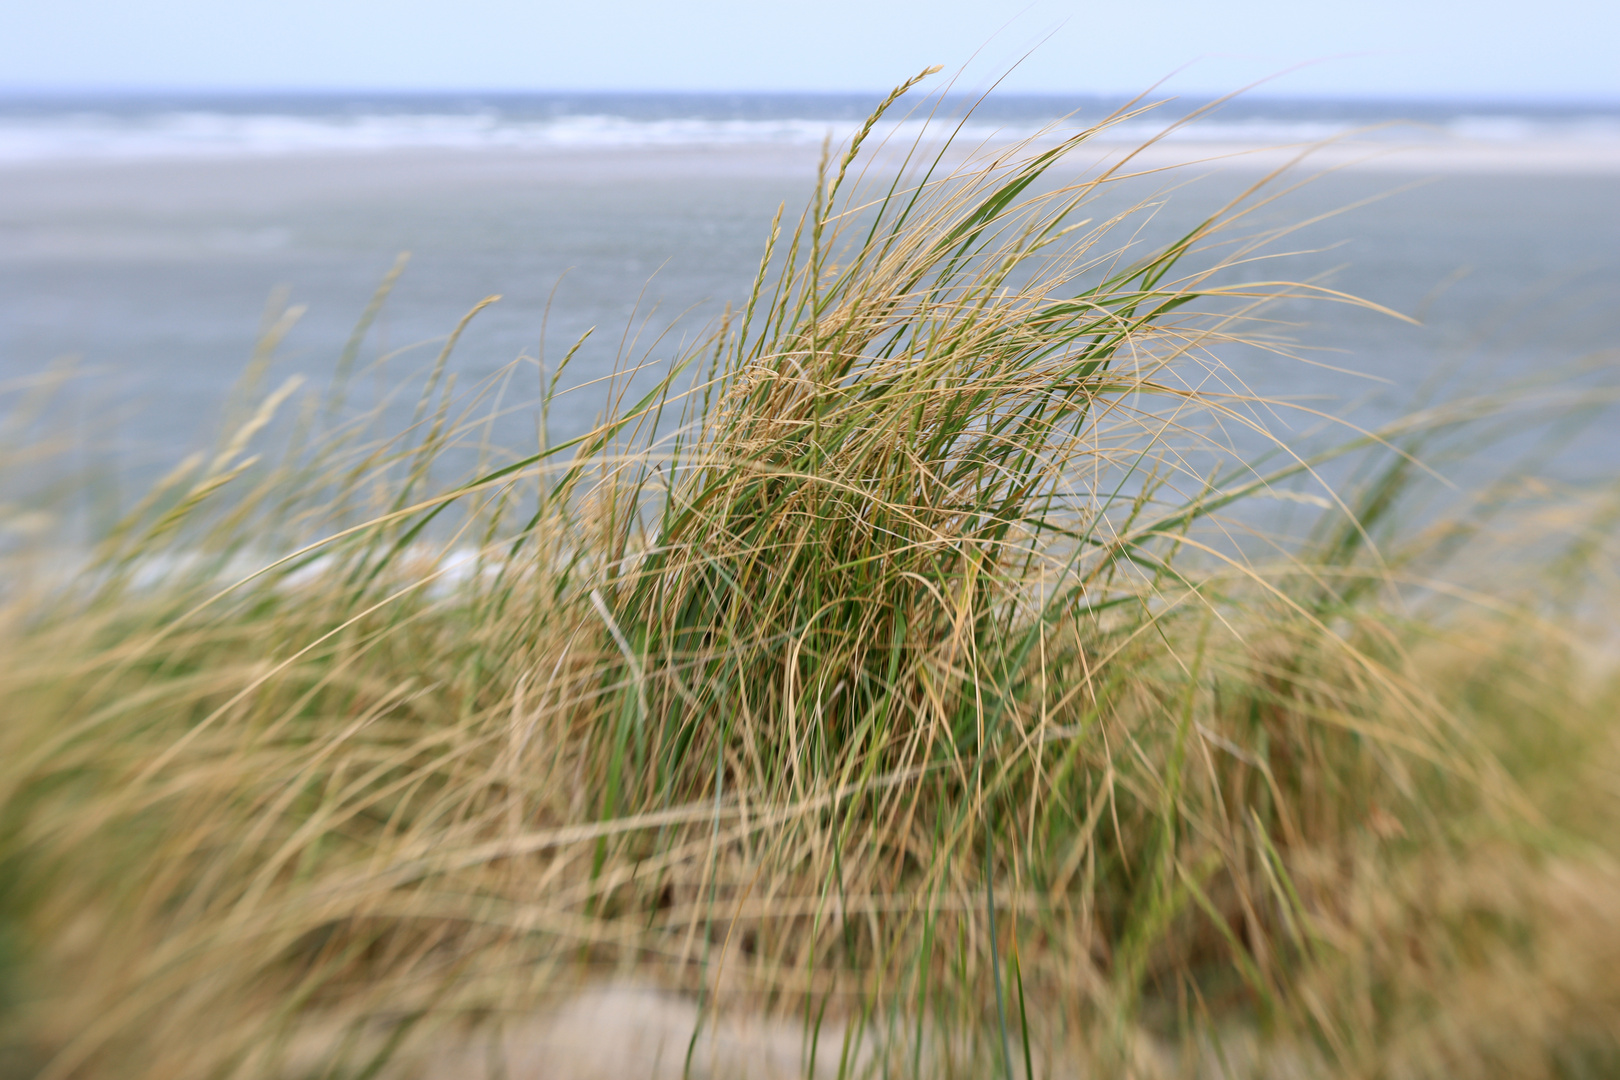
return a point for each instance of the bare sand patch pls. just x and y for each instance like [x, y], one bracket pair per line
[614, 1031]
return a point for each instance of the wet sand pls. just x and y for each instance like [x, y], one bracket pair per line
[156, 273]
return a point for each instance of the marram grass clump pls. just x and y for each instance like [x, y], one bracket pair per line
[904, 665]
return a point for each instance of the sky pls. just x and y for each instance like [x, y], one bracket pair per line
[1503, 49]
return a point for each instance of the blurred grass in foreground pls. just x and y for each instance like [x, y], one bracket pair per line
[905, 663]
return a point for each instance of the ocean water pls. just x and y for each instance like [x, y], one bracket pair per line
[201, 126]
[141, 239]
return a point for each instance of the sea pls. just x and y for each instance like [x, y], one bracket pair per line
[147, 241]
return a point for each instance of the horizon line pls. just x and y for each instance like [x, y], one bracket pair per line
[22, 90]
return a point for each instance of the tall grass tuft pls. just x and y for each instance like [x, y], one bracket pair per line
[905, 659]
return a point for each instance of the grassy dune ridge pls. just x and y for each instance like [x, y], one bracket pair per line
[905, 662]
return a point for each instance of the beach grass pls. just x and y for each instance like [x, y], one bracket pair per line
[922, 658]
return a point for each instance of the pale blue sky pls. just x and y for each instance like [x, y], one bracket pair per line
[1481, 48]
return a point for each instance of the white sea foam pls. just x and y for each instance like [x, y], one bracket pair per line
[180, 134]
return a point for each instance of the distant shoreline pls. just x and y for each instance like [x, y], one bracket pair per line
[1445, 155]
